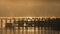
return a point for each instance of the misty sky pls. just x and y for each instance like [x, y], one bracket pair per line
[22, 8]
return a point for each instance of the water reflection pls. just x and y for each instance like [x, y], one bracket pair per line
[30, 26]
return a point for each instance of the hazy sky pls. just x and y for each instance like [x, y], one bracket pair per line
[29, 8]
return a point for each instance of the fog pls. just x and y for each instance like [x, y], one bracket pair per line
[32, 8]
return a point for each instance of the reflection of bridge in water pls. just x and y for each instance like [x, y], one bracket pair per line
[29, 25]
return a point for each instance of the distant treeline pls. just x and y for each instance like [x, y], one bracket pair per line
[54, 23]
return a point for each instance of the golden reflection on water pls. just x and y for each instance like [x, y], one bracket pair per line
[30, 30]
[23, 30]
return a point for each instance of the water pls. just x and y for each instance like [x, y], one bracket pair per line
[29, 30]
[26, 27]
